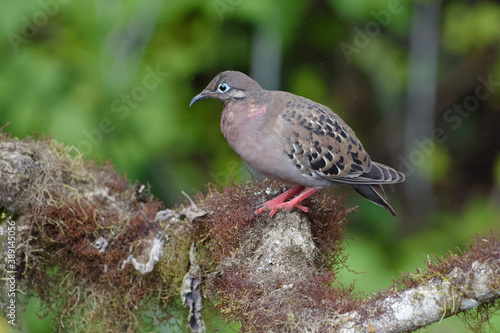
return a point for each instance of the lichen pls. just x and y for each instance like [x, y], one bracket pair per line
[61, 206]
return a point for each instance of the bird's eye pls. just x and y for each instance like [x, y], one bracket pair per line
[223, 87]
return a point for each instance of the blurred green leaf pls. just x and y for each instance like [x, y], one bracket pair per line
[468, 27]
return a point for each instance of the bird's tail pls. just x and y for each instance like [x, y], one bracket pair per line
[375, 193]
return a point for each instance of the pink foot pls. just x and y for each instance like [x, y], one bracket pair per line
[279, 202]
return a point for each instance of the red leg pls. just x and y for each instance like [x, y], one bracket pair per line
[279, 202]
[269, 205]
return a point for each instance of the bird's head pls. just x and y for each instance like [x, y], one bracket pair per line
[229, 86]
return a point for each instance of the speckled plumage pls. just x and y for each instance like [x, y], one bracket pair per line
[295, 140]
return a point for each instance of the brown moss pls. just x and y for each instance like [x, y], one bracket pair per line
[241, 288]
[328, 224]
[480, 250]
[231, 216]
[478, 319]
[63, 205]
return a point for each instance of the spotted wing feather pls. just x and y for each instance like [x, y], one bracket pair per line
[319, 142]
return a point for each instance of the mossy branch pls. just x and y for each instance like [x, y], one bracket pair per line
[78, 225]
[433, 297]
[86, 242]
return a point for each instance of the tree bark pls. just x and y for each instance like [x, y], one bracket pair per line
[270, 278]
[439, 297]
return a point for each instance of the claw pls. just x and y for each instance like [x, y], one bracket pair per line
[279, 202]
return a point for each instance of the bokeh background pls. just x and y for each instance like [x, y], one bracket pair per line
[419, 82]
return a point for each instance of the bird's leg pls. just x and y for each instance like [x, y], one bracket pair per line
[279, 202]
[274, 204]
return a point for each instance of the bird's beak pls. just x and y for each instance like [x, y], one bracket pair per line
[204, 94]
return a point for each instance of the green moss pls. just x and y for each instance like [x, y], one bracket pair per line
[64, 204]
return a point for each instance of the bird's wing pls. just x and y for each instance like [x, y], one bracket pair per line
[320, 143]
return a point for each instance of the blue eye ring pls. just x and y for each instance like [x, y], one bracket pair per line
[223, 88]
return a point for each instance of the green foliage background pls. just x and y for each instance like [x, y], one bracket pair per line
[81, 72]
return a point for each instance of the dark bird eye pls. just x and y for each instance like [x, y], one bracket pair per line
[223, 87]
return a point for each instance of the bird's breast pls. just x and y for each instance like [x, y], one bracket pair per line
[241, 118]
[243, 128]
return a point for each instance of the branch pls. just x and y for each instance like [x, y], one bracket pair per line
[439, 297]
[277, 284]
[84, 241]
[85, 223]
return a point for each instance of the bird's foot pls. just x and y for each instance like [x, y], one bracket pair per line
[279, 202]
